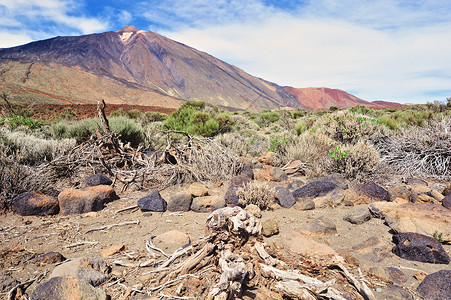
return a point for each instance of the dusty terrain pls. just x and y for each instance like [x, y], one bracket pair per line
[24, 238]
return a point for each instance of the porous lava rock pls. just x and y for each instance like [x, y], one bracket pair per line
[59, 288]
[180, 201]
[34, 204]
[419, 247]
[93, 198]
[98, 179]
[152, 202]
[314, 189]
[284, 197]
[436, 286]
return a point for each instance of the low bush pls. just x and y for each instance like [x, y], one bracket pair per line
[16, 121]
[28, 149]
[130, 131]
[256, 192]
[243, 143]
[354, 161]
[152, 116]
[14, 180]
[267, 117]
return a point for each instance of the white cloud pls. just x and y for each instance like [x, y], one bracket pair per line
[395, 54]
[11, 40]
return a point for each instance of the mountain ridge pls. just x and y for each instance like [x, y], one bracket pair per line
[150, 66]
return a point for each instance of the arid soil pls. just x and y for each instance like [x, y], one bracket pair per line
[24, 238]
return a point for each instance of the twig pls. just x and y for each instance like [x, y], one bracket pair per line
[161, 294]
[162, 286]
[126, 208]
[150, 245]
[112, 225]
[80, 244]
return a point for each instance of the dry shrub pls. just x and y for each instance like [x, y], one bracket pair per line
[420, 151]
[244, 143]
[28, 149]
[311, 149]
[355, 160]
[256, 192]
[348, 128]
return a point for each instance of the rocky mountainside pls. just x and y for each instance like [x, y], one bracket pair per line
[133, 66]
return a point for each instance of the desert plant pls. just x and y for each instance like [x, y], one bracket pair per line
[16, 121]
[243, 143]
[354, 160]
[267, 117]
[152, 116]
[130, 131]
[256, 192]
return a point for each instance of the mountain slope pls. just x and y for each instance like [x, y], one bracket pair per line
[142, 67]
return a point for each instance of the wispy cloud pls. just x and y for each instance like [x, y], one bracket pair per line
[391, 50]
[29, 19]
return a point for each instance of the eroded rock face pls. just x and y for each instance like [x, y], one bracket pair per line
[358, 215]
[35, 204]
[305, 245]
[418, 247]
[197, 189]
[436, 286]
[59, 288]
[423, 218]
[314, 189]
[74, 201]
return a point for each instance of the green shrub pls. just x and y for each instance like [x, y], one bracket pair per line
[333, 108]
[152, 116]
[16, 121]
[67, 114]
[80, 130]
[130, 131]
[268, 117]
[354, 160]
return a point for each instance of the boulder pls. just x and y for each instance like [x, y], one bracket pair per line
[284, 197]
[424, 198]
[239, 181]
[446, 202]
[415, 181]
[98, 179]
[336, 178]
[267, 158]
[49, 258]
[314, 189]
[92, 270]
[59, 288]
[367, 193]
[207, 203]
[437, 195]
[152, 202]
[173, 237]
[423, 218]
[246, 171]
[358, 215]
[197, 189]
[231, 197]
[180, 201]
[295, 184]
[436, 286]
[73, 201]
[418, 247]
[319, 227]
[333, 198]
[269, 173]
[34, 204]
[373, 249]
[304, 204]
[304, 245]
[270, 228]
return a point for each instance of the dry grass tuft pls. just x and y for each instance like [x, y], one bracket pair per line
[258, 193]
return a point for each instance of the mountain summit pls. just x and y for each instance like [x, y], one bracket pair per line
[142, 67]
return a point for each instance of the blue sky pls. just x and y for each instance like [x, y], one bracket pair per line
[377, 50]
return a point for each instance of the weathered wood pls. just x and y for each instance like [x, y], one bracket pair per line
[102, 116]
[361, 287]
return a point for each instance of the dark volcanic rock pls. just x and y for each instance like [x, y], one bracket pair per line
[59, 288]
[446, 202]
[284, 197]
[239, 181]
[296, 184]
[49, 258]
[98, 179]
[180, 201]
[436, 286]
[230, 197]
[34, 204]
[373, 191]
[152, 202]
[358, 215]
[395, 292]
[314, 189]
[93, 198]
[418, 247]
[246, 171]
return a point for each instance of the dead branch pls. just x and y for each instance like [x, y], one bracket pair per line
[361, 287]
[12, 292]
[104, 227]
[102, 116]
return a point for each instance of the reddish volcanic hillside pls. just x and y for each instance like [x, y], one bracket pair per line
[321, 98]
